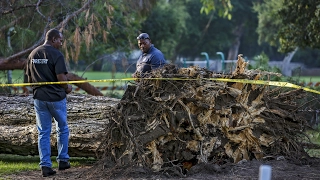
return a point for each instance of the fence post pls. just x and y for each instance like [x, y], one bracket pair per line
[222, 60]
[207, 58]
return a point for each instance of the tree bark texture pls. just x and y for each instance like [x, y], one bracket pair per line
[18, 63]
[87, 117]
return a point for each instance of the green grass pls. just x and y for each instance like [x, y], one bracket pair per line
[314, 136]
[90, 75]
[10, 164]
[308, 79]
[17, 77]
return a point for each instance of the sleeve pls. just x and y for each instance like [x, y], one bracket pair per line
[157, 60]
[60, 66]
[27, 76]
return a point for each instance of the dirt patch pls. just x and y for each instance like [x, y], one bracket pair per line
[281, 169]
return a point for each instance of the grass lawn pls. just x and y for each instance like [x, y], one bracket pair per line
[308, 79]
[17, 77]
[90, 75]
[10, 164]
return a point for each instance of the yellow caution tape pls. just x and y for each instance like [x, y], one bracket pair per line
[269, 83]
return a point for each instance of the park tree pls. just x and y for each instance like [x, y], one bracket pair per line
[194, 27]
[288, 25]
[166, 24]
[85, 24]
[300, 24]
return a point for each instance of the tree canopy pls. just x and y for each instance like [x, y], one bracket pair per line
[85, 24]
[300, 24]
[288, 24]
[179, 28]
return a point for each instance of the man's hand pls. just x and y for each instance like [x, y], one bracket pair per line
[68, 89]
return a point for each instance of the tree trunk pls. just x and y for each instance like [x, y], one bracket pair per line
[286, 61]
[84, 86]
[18, 63]
[87, 117]
[234, 48]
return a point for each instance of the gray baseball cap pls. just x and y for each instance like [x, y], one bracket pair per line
[143, 36]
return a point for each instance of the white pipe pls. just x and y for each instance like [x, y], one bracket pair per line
[265, 172]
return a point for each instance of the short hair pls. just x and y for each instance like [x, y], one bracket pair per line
[52, 33]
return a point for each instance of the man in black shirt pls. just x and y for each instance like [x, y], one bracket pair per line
[46, 64]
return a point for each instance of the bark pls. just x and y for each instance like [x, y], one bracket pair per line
[17, 63]
[286, 61]
[234, 48]
[87, 117]
[84, 86]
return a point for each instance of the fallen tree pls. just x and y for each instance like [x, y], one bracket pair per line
[181, 120]
[171, 125]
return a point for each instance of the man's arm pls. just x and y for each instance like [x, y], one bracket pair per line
[63, 77]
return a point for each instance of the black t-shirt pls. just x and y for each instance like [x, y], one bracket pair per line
[44, 63]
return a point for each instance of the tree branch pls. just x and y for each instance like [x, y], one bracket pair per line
[65, 21]
[38, 10]
[41, 40]
[12, 23]
[4, 12]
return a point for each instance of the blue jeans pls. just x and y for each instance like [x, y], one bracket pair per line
[44, 112]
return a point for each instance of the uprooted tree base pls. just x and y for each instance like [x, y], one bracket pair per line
[172, 125]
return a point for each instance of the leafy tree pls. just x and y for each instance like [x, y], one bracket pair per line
[166, 25]
[193, 32]
[300, 20]
[85, 24]
[223, 7]
[288, 25]
[269, 21]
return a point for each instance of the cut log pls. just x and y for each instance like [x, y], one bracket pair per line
[87, 118]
